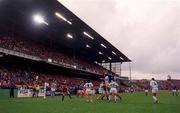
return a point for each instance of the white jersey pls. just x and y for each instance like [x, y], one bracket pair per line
[88, 86]
[113, 85]
[153, 84]
[101, 86]
[53, 86]
[46, 85]
[101, 89]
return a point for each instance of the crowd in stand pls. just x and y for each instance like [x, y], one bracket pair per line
[36, 49]
[139, 85]
[26, 78]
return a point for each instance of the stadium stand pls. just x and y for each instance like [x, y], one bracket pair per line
[38, 50]
[28, 50]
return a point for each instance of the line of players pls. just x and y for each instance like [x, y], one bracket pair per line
[108, 88]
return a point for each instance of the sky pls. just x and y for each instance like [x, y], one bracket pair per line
[147, 31]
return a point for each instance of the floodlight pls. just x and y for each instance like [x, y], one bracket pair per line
[39, 19]
[69, 36]
[100, 52]
[88, 46]
[88, 35]
[103, 45]
[109, 58]
[121, 58]
[63, 18]
[113, 53]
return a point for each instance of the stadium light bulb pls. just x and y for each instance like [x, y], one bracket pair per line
[113, 53]
[63, 18]
[69, 22]
[60, 16]
[103, 61]
[109, 58]
[103, 45]
[85, 33]
[121, 58]
[100, 52]
[69, 36]
[88, 46]
[39, 19]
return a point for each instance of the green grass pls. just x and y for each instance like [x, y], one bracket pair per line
[132, 103]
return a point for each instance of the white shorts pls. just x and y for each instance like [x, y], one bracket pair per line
[113, 90]
[101, 91]
[89, 91]
[174, 90]
[154, 90]
[146, 91]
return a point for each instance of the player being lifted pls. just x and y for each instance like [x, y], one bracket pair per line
[113, 90]
[106, 87]
[89, 90]
[65, 90]
[154, 87]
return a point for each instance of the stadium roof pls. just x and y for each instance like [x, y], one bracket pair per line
[60, 26]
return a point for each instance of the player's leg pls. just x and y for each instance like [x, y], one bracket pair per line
[115, 97]
[44, 93]
[110, 94]
[115, 94]
[176, 93]
[90, 98]
[87, 95]
[107, 94]
[173, 92]
[146, 92]
[33, 92]
[37, 93]
[99, 95]
[63, 96]
[103, 95]
[110, 97]
[69, 94]
[120, 98]
[154, 97]
[92, 92]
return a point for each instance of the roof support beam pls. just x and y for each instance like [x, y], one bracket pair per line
[110, 66]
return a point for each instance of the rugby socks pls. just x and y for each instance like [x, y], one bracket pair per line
[115, 97]
[155, 99]
[69, 96]
[109, 97]
[102, 97]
